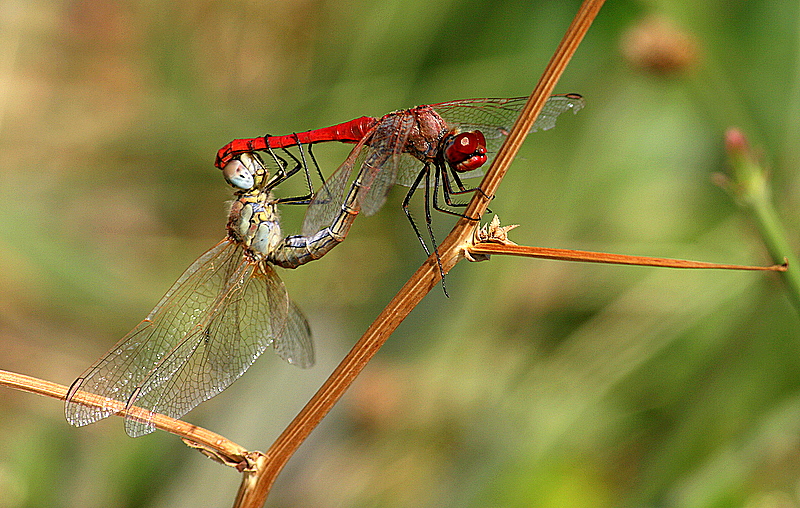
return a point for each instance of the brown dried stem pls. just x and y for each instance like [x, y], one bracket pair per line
[254, 489]
[489, 248]
[209, 443]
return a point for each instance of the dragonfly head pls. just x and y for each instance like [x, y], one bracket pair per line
[466, 151]
[245, 173]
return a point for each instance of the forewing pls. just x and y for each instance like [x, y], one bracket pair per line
[327, 202]
[370, 170]
[495, 117]
[408, 170]
[554, 106]
[252, 312]
[381, 168]
[123, 370]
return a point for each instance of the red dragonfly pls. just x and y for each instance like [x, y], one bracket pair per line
[431, 146]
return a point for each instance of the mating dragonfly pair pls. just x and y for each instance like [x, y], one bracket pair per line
[230, 305]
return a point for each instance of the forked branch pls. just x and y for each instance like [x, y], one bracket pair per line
[254, 492]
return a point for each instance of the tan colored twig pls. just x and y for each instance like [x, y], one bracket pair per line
[492, 238]
[254, 490]
[209, 443]
[490, 248]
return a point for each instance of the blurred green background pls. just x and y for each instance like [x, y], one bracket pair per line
[538, 383]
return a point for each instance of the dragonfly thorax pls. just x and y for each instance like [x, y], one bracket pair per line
[253, 222]
[426, 134]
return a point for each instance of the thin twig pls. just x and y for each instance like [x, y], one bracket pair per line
[489, 248]
[210, 443]
[492, 238]
[424, 279]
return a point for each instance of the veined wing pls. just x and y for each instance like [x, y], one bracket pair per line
[408, 168]
[327, 202]
[294, 344]
[206, 331]
[495, 117]
[252, 316]
[125, 367]
[365, 177]
[383, 162]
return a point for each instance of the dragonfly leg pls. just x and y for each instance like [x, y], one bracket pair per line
[407, 199]
[282, 174]
[295, 200]
[448, 192]
[281, 164]
[461, 188]
[299, 164]
[316, 166]
[302, 163]
[428, 220]
[464, 190]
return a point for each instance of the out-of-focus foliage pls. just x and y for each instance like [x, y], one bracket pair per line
[537, 383]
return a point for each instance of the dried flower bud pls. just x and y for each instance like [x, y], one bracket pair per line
[654, 44]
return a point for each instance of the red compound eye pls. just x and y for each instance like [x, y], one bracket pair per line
[466, 151]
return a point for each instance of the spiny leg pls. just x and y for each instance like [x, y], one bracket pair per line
[448, 191]
[461, 188]
[299, 163]
[305, 200]
[428, 221]
[407, 199]
[316, 166]
[282, 175]
[304, 165]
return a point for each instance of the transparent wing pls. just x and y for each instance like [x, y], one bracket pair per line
[365, 177]
[206, 331]
[294, 344]
[408, 169]
[327, 202]
[252, 312]
[495, 117]
[554, 106]
[380, 169]
[116, 375]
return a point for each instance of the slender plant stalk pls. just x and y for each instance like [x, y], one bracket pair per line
[211, 444]
[489, 248]
[750, 185]
[492, 238]
[253, 492]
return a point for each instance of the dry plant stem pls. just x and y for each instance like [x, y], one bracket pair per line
[489, 248]
[223, 449]
[751, 186]
[423, 280]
